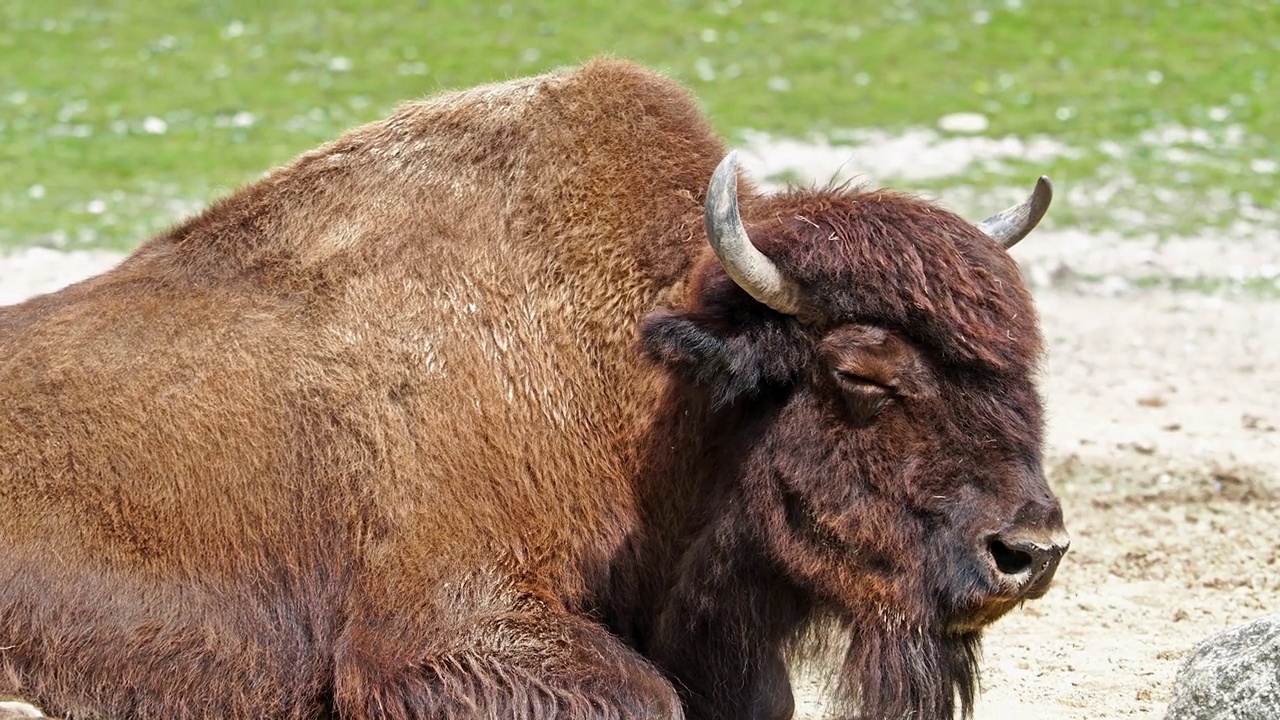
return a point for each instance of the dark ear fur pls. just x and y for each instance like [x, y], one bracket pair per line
[730, 359]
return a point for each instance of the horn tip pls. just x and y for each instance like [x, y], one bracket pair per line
[730, 161]
[724, 185]
[1043, 192]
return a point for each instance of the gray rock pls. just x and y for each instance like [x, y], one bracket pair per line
[1234, 675]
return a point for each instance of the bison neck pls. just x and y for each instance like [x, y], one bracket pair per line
[693, 588]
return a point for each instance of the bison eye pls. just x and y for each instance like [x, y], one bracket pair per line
[854, 381]
[863, 397]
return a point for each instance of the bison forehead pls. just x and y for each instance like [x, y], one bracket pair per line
[900, 262]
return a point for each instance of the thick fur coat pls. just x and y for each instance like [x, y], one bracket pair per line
[457, 416]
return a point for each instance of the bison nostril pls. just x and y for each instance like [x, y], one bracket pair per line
[1008, 560]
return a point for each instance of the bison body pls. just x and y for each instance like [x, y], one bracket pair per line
[461, 416]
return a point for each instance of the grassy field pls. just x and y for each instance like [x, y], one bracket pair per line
[117, 116]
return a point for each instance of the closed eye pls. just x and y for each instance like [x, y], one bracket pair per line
[863, 397]
[853, 381]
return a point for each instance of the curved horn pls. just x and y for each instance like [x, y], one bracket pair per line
[747, 266]
[1010, 226]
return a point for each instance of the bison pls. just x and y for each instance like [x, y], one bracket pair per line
[522, 403]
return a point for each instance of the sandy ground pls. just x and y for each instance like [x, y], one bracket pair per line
[1164, 449]
[1163, 446]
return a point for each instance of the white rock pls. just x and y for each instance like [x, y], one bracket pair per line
[964, 122]
[153, 125]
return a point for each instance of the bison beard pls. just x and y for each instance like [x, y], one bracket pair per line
[373, 437]
[894, 671]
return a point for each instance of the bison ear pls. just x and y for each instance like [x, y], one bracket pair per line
[727, 363]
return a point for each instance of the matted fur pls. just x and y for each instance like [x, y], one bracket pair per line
[373, 437]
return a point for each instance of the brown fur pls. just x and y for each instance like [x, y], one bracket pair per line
[372, 437]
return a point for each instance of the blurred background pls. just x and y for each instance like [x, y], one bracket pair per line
[116, 116]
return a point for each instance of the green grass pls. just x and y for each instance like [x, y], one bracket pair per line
[242, 86]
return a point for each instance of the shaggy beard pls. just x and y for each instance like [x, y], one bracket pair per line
[895, 673]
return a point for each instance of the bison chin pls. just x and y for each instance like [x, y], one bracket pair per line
[893, 671]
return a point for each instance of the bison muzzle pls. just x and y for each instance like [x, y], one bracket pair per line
[523, 403]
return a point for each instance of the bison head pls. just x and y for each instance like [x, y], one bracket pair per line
[868, 362]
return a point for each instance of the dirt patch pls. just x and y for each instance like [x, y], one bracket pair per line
[1159, 561]
[1166, 455]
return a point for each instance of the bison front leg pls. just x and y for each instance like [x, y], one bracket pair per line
[522, 661]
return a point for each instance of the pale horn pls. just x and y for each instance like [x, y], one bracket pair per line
[747, 266]
[1010, 226]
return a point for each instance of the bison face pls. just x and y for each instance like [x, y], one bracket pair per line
[868, 363]
[927, 480]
